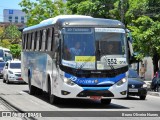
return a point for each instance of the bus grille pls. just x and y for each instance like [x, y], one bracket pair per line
[96, 85]
[104, 93]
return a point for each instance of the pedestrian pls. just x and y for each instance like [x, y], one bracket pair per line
[157, 75]
[75, 51]
[142, 71]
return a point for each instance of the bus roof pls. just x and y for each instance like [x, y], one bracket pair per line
[77, 20]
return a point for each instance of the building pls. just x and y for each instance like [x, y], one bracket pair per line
[6, 24]
[14, 16]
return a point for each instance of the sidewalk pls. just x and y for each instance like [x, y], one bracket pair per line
[153, 93]
[4, 108]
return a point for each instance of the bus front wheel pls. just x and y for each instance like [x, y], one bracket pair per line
[32, 89]
[52, 98]
[106, 101]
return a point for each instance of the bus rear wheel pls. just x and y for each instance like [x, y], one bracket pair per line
[106, 101]
[32, 89]
[52, 98]
[4, 80]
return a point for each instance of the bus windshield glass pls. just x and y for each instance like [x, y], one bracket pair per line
[78, 47]
[110, 41]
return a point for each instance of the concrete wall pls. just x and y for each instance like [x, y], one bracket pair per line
[148, 63]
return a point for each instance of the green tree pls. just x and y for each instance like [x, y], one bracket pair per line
[5, 43]
[95, 8]
[15, 50]
[13, 34]
[128, 10]
[42, 9]
[146, 36]
[2, 36]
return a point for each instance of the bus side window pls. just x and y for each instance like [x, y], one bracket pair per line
[33, 39]
[26, 42]
[49, 39]
[43, 40]
[46, 41]
[30, 44]
[38, 37]
[23, 41]
[29, 41]
[40, 40]
[52, 39]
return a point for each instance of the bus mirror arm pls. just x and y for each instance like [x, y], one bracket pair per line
[133, 59]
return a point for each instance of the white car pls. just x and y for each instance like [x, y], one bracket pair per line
[12, 72]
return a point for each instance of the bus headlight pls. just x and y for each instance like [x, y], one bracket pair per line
[144, 86]
[68, 81]
[119, 83]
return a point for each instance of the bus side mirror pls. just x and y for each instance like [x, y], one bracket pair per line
[132, 59]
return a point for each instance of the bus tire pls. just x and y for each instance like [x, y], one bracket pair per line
[106, 101]
[52, 98]
[32, 89]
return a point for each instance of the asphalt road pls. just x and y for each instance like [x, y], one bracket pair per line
[17, 96]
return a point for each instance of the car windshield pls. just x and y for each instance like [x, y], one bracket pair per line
[133, 74]
[2, 64]
[15, 65]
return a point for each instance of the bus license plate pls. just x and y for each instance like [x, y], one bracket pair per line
[96, 97]
[133, 90]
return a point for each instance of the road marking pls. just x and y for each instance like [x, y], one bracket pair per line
[23, 92]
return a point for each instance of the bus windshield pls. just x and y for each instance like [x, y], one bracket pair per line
[83, 46]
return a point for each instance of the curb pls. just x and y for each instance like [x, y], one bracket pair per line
[153, 93]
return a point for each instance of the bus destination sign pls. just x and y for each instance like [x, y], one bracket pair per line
[78, 30]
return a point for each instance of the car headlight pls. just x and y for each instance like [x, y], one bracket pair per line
[119, 83]
[144, 86]
[10, 72]
[68, 81]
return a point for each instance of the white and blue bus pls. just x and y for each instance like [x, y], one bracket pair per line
[74, 56]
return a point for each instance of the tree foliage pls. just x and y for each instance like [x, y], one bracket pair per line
[42, 9]
[15, 50]
[95, 8]
[5, 43]
[146, 35]
[2, 34]
[12, 34]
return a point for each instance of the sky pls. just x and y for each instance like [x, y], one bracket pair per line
[9, 4]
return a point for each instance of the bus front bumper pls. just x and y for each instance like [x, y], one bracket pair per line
[76, 91]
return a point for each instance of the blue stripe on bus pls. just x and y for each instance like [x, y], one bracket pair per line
[95, 81]
[96, 88]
